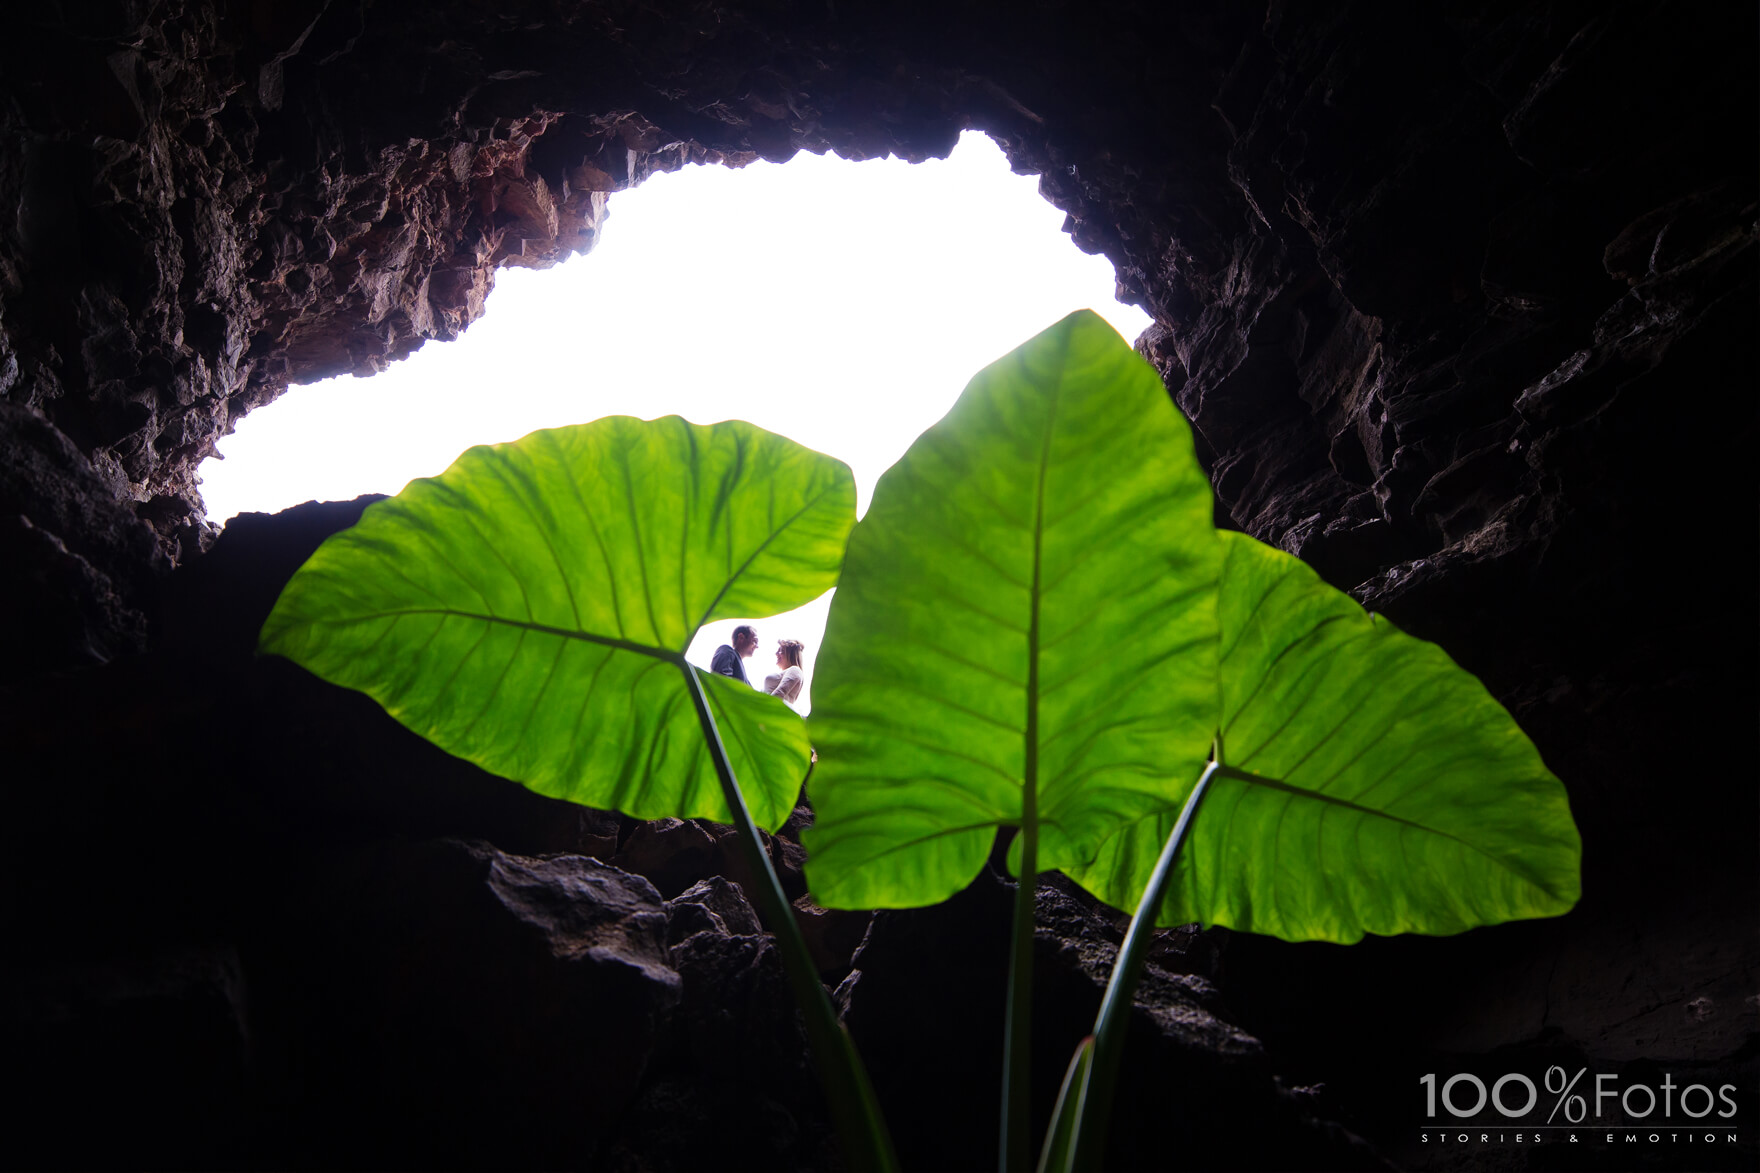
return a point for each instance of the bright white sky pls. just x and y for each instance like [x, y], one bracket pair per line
[841, 304]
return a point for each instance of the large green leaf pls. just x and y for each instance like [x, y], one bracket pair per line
[1024, 629]
[529, 608]
[1369, 784]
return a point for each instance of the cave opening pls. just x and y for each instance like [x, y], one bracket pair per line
[842, 304]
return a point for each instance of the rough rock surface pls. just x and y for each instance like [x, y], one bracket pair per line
[1459, 297]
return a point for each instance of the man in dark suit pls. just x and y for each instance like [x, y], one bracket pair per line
[730, 661]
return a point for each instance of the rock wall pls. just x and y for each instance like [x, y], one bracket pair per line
[1458, 296]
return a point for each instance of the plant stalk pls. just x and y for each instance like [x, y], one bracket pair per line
[1087, 1147]
[866, 1143]
[1017, 1103]
[1054, 1157]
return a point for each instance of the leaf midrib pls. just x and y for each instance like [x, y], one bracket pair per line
[1030, 789]
[522, 624]
[1253, 779]
[610, 641]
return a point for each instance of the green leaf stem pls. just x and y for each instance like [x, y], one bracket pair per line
[1058, 1153]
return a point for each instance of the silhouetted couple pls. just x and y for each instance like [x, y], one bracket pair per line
[785, 682]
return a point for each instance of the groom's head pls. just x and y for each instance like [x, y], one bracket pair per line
[745, 638]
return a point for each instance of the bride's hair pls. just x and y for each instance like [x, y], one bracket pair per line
[793, 648]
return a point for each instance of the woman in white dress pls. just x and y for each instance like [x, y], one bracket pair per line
[785, 682]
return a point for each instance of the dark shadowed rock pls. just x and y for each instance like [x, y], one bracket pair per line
[157, 1044]
[714, 905]
[732, 1087]
[673, 854]
[832, 935]
[446, 1003]
[925, 1005]
[81, 566]
[677, 853]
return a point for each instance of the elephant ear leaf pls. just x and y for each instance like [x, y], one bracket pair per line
[1010, 640]
[529, 608]
[1368, 785]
